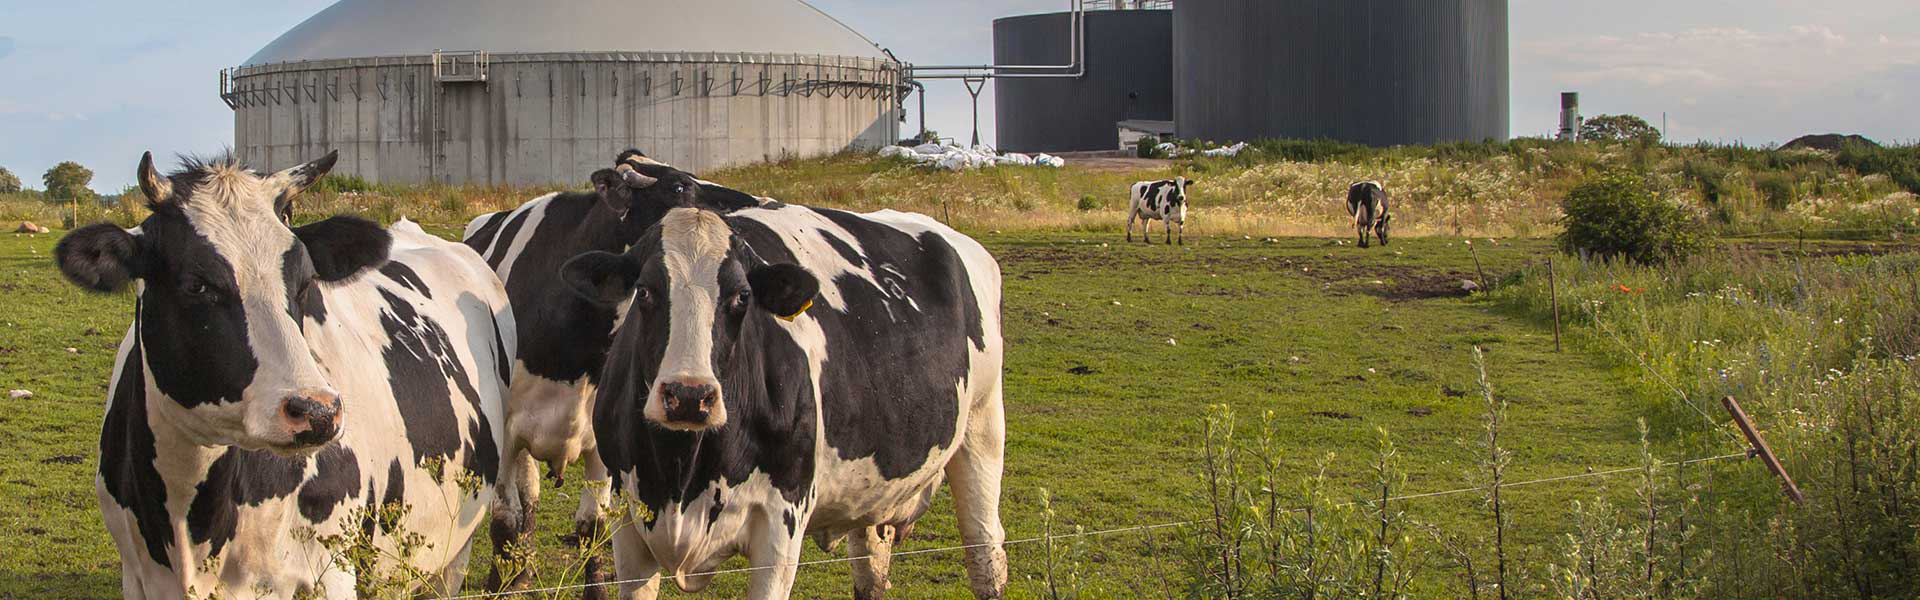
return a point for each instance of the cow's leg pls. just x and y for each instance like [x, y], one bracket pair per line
[1130, 216]
[1146, 230]
[974, 477]
[1362, 230]
[512, 526]
[1168, 228]
[875, 544]
[590, 522]
[774, 552]
[634, 566]
[1183, 233]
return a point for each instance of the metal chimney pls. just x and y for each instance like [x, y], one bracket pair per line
[1569, 117]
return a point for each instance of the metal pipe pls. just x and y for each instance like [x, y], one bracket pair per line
[1076, 51]
[923, 108]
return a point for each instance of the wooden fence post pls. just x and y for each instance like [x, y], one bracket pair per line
[1553, 283]
[1760, 448]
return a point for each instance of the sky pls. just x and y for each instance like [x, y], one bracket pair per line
[100, 81]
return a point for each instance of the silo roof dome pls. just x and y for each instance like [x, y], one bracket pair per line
[376, 28]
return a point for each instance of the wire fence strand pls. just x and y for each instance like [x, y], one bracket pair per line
[1079, 534]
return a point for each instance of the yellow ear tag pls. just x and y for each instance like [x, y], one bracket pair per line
[796, 314]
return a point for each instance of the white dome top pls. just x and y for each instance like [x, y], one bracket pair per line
[372, 28]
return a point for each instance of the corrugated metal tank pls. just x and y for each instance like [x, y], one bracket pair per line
[1379, 72]
[1129, 76]
[700, 84]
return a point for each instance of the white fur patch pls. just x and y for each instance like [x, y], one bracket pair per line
[693, 245]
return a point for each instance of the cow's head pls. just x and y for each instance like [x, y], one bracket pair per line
[224, 287]
[1179, 200]
[690, 288]
[642, 190]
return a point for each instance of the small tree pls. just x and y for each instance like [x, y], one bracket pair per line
[1619, 128]
[68, 180]
[1615, 215]
[9, 184]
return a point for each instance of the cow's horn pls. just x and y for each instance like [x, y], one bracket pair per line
[635, 180]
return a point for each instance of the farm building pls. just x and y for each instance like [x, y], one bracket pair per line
[537, 92]
[1379, 72]
[1128, 77]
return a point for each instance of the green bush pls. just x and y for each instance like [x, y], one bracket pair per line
[1088, 202]
[9, 184]
[1615, 215]
[337, 184]
[1901, 164]
[1315, 151]
[1777, 188]
[1710, 176]
[1146, 148]
[1619, 128]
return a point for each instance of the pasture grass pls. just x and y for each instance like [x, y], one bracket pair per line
[1334, 340]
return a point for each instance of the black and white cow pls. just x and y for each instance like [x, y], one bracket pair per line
[782, 371]
[280, 386]
[1164, 200]
[563, 338]
[1367, 204]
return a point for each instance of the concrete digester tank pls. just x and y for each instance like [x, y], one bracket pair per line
[1379, 72]
[1128, 76]
[529, 92]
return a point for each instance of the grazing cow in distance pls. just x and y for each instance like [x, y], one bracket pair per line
[782, 371]
[1164, 200]
[1367, 204]
[338, 379]
[563, 338]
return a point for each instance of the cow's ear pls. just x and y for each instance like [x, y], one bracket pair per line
[1190, 182]
[301, 177]
[603, 278]
[344, 246]
[785, 290]
[99, 257]
[606, 183]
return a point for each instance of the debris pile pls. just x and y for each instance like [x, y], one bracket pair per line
[962, 158]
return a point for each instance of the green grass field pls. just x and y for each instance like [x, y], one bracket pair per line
[1115, 353]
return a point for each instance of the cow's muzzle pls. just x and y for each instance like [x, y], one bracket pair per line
[313, 417]
[689, 404]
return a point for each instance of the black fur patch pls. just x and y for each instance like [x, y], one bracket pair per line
[342, 246]
[238, 478]
[126, 458]
[402, 274]
[421, 362]
[336, 479]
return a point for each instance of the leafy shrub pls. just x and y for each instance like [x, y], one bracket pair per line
[1315, 151]
[1710, 176]
[1146, 148]
[1615, 215]
[337, 184]
[9, 184]
[1088, 202]
[1901, 164]
[1777, 188]
[1619, 128]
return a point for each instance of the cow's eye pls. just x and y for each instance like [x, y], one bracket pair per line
[679, 188]
[740, 301]
[642, 298]
[201, 291]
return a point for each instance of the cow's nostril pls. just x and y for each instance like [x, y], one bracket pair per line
[298, 408]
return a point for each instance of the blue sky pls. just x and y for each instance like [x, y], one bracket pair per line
[99, 81]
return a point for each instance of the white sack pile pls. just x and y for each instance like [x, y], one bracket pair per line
[961, 158]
